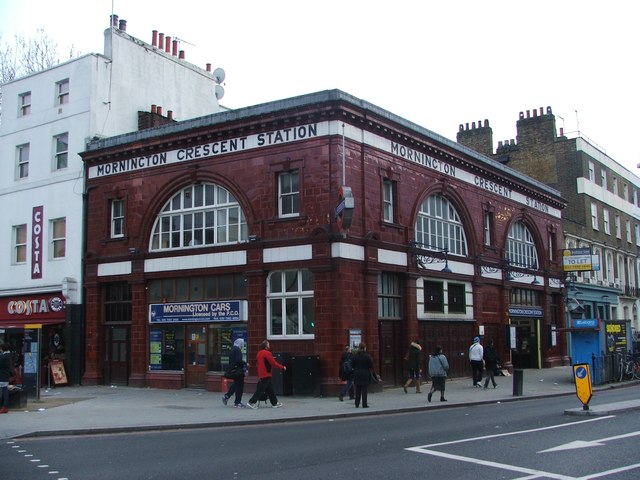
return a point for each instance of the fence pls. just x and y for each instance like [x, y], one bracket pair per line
[605, 368]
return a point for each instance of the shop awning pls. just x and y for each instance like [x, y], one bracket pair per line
[20, 323]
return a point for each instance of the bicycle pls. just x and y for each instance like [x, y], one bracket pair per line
[629, 369]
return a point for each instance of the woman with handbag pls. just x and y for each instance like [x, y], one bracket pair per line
[362, 368]
[438, 368]
[237, 370]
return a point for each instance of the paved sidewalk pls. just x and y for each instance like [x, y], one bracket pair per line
[103, 409]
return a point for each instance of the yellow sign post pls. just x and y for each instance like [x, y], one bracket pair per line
[582, 379]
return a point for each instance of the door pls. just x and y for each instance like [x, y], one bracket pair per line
[455, 339]
[196, 351]
[116, 365]
[391, 352]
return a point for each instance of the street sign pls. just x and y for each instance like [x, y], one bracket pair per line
[577, 260]
[582, 378]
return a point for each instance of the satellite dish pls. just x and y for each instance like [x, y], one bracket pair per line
[218, 75]
[219, 91]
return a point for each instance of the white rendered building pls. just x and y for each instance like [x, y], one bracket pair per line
[47, 119]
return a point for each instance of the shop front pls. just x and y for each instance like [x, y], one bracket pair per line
[188, 341]
[34, 328]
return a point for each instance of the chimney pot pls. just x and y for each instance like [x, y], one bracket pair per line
[161, 41]
[159, 110]
[208, 67]
[541, 111]
[154, 108]
[167, 44]
[181, 55]
[114, 21]
[175, 48]
[562, 131]
[123, 25]
[169, 114]
[154, 38]
[528, 113]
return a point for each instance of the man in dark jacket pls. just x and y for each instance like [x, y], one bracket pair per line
[491, 360]
[6, 372]
[265, 362]
[345, 373]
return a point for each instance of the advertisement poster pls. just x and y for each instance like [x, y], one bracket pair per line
[58, 373]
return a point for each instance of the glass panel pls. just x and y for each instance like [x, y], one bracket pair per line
[275, 282]
[308, 323]
[293, 317]
[276, 317]
[291, 280]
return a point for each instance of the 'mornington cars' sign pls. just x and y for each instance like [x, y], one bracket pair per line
[220, 311]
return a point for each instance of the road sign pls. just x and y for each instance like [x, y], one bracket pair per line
[582, 378]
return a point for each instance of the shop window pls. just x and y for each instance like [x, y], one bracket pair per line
[439, 227]
[389, 296]
[199, 215]
[290, 307]
[288, 194]
[166, 347]
[220, 340]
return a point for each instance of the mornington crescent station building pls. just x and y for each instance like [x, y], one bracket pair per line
[315, 222]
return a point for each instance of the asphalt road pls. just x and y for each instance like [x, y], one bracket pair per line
[518, 440]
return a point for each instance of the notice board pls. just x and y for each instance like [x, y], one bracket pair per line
[58, 373]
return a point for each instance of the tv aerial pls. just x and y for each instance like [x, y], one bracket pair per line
[218, 77]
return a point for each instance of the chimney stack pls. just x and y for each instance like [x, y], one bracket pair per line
[167, 44]
[123, 25]
[175, 48]
[114, 21]
[181, 55]
[154, 38]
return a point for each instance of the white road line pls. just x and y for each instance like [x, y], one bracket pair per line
[507, 434]
[609, 472]
[588, 443]
[531, 472]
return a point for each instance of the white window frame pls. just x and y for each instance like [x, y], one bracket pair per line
[24, 104]
[19, 247]
[290, 294]
[488, 227]
[61, 151]
[521, 248]
[289, 194]
[603, 177]
[637, 228]
[439, 227]
[605, 221]
[58, 241]
[592, 172]
[594, 217]
[615, 185]
[62, 92]
[618, 227]
[198, 216]
[387, 200]
[628, 226]
[117, 218]
[22, 160]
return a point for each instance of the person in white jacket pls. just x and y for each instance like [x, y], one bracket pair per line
[476, 357]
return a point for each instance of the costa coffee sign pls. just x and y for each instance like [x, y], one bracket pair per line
[36, 242]
[33, 307]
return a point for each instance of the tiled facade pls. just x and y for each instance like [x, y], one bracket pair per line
[444, 244]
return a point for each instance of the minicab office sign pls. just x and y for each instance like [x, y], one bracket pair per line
[222, 311]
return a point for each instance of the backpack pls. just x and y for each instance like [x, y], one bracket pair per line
[347, 368]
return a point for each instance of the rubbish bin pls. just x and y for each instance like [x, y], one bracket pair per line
[518, 377]
[306, 374]
[280, 380]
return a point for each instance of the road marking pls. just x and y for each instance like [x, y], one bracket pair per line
[591, 443]
[609, 472]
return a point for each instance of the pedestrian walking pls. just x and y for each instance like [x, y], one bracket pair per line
[362, 367]
[345, 372]
[476, 354]
[491, 360]
[236, 362]
[438, 368]
[414, 357]
[265, 363]
[6, 372]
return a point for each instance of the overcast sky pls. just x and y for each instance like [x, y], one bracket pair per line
[437, 63]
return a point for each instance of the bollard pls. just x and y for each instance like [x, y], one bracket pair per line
[518, 376]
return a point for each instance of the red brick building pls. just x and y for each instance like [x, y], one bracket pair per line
[228, 228]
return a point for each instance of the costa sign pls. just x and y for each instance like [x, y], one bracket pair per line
[35, 306]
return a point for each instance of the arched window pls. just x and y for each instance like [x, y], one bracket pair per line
[521, 250]
[199, 215]
[439, 227]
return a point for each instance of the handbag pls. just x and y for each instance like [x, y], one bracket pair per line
[375, 378]
[234, 372]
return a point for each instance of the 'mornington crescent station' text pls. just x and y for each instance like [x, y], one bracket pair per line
[207, 150]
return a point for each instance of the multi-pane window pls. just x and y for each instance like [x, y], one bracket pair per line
[594, 216]
[387, 200]
[605, 221]
[23, 161]
[117, 302]
[439, 227]
[288, 194]
[61, 151]
[628, 228]
[24, 103]
[592, 172]
[192, 289]
[58, 237]
[62, 92]
[603, 177]
[389, 296]
[618, 227]
[615, 185]
[20, 244]
[488, 228]
[117, 218]
[199, 215]
[637, 229]
[290, 304]
[521, 249]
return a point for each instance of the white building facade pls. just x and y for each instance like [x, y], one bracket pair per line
[47, 119]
